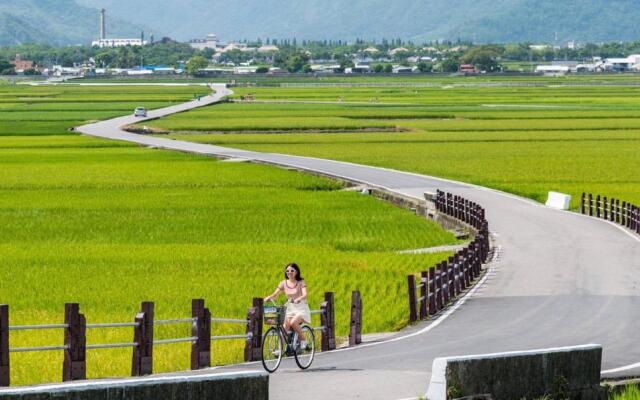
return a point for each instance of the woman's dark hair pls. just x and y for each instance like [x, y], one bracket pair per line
[294, 266]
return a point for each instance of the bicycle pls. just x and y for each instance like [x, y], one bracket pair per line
[277, 341]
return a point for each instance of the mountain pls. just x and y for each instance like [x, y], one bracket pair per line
[70, 22]
[480, 20]
[55, 22]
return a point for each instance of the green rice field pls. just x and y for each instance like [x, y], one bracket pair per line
[108, 225]
[570, 134]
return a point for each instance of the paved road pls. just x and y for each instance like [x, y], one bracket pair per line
[559, 279]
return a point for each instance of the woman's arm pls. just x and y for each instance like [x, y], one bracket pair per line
[303, 297]
[273, 295]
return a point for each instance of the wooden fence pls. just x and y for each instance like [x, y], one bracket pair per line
[75, 340]
[614, 210]
[444, 282]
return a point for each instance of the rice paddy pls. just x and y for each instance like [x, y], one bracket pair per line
[108, 225]
[570, 134]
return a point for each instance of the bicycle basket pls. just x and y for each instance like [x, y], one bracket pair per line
[274, 315]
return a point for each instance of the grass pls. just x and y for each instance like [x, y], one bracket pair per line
[526, 140]
[631, 392]
[109, 224]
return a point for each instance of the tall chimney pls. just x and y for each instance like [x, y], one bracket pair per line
[103, 30]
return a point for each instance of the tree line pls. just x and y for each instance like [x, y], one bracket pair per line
[295, 56]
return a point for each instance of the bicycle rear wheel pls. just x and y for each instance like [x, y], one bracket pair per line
[304, 355]
[271, 350]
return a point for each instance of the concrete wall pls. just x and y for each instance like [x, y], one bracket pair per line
[200, 386]
[572, 371]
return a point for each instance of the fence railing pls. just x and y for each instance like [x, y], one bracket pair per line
[444, 282]
[75, 328]
[614, 210]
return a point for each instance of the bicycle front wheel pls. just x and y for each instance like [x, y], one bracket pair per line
[271, 350]
[307, 348]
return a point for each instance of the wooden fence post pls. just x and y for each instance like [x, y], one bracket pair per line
[424, 297]
[201, 329]
[605, 206]
[253, 346]
[411, 284]
[142, 363]
[582, 205]
[328, 321]
[432, 291]
[456, 274]
[74, 365]
[355, 329]
[438, 288]
[623, 214]
[444, 276]
[598, 205]
[467, 267]
[460, 261]
[451, 280]
[590, 205]
[4, 346]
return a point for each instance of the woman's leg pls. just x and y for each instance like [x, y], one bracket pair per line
[295, 324]
[287, 324]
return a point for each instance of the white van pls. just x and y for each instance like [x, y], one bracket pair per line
[140, 112]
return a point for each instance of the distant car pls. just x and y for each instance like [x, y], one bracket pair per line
[140, 112]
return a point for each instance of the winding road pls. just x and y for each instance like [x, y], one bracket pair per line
[558, 279]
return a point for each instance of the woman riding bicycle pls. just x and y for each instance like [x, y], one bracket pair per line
[297, 308]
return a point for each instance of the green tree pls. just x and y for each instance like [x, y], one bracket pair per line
[346, 64]
[388, 68]
[195, 64]
[424, 67]
[296, 61]
[6, 68]
[450, 64]
[262, 70]
[482, 58]
[378, 68]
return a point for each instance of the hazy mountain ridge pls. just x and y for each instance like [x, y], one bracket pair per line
[54, 22]
[482, 20]
[479, 20]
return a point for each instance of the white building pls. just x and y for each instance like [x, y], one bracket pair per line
[619, 64]
[268, 48]
[398, 50]
[210, 42]
[118, 42]
[104, 42]
[553, 69]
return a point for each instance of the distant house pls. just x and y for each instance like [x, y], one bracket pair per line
[539, 47]
[468, 69]
[326, 69]
[397, 50]
[399, 69]
[358, 69]
[245, 70]
[371, 50]
[552, 69]
[210, 42]
[618, 64]
[269, 48]
[102, 43]
[21, 65]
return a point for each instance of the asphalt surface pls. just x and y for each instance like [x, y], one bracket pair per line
[559, 279]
